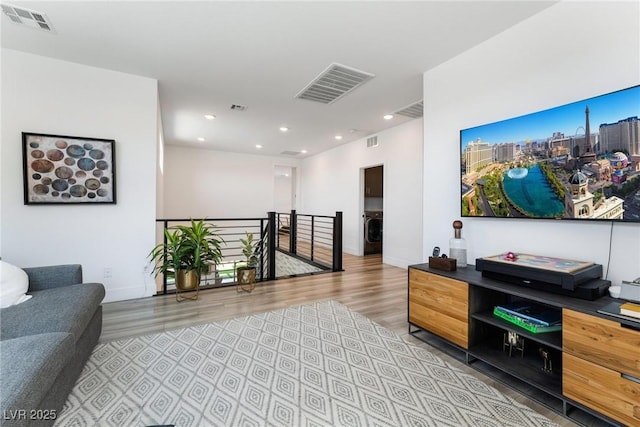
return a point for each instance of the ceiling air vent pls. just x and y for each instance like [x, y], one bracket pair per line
[372, 142]
[334, 83]
[414, 110]
[291, 153]
[28, 18]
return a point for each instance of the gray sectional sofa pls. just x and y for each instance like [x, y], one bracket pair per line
[45, 342]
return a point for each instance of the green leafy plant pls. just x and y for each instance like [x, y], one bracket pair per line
[188, 247]
[250, 249]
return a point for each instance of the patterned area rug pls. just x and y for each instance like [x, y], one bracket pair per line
[313, 365]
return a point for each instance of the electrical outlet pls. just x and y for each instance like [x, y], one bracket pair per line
[108, 272]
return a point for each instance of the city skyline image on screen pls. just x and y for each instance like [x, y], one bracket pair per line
[578, 161]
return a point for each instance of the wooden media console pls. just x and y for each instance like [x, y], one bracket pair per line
[589, 371]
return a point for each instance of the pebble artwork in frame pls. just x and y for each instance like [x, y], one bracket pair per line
[68, 169]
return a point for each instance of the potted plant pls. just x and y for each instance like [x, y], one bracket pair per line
[188, 253]
[247, 274]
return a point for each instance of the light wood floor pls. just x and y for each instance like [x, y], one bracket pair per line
[373, 289]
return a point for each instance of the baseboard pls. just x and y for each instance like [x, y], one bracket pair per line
[398, 262]
[129, 292]
[351, 251]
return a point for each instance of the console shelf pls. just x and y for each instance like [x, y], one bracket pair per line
[527, 368]
[551, 339]
[455, 311]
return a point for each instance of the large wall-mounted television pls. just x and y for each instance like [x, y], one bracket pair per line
[578, 161]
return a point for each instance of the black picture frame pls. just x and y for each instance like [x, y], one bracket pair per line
[65, 170]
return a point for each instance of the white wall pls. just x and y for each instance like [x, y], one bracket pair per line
[332, 181]
[568, 52]
[49, 96]
[203, 183]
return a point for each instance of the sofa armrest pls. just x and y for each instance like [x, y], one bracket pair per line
[53, 276]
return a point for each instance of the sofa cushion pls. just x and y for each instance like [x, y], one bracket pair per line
[53, 276]
[29, 367]
[65, 309]
[14, 283]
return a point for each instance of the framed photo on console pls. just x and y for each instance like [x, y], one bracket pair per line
[64, 170]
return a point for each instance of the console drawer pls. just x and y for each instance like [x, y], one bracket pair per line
[440, 305]
[601, 341]
[602, 389]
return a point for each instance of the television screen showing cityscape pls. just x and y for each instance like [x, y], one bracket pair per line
[576, 161]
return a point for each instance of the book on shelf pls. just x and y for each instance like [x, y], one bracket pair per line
[532, 312]
[629, 309]
[525, 324]
[613, 309]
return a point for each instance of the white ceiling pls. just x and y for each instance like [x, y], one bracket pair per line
[208, 55]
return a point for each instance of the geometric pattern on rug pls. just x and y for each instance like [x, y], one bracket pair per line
[313, 365]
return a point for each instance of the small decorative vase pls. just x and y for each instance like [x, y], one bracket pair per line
[458, 246]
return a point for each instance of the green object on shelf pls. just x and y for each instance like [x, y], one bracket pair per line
[533, 328]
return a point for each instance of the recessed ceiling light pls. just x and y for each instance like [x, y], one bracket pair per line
[201, 138]
[388, 116]
[338, 137]
[303, 151]
[258, 146]
[284, 128]
[209, 116]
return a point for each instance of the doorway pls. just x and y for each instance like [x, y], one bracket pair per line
[373, 195]
[284, 195]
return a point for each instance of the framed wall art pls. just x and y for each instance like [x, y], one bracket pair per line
[68, 169]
